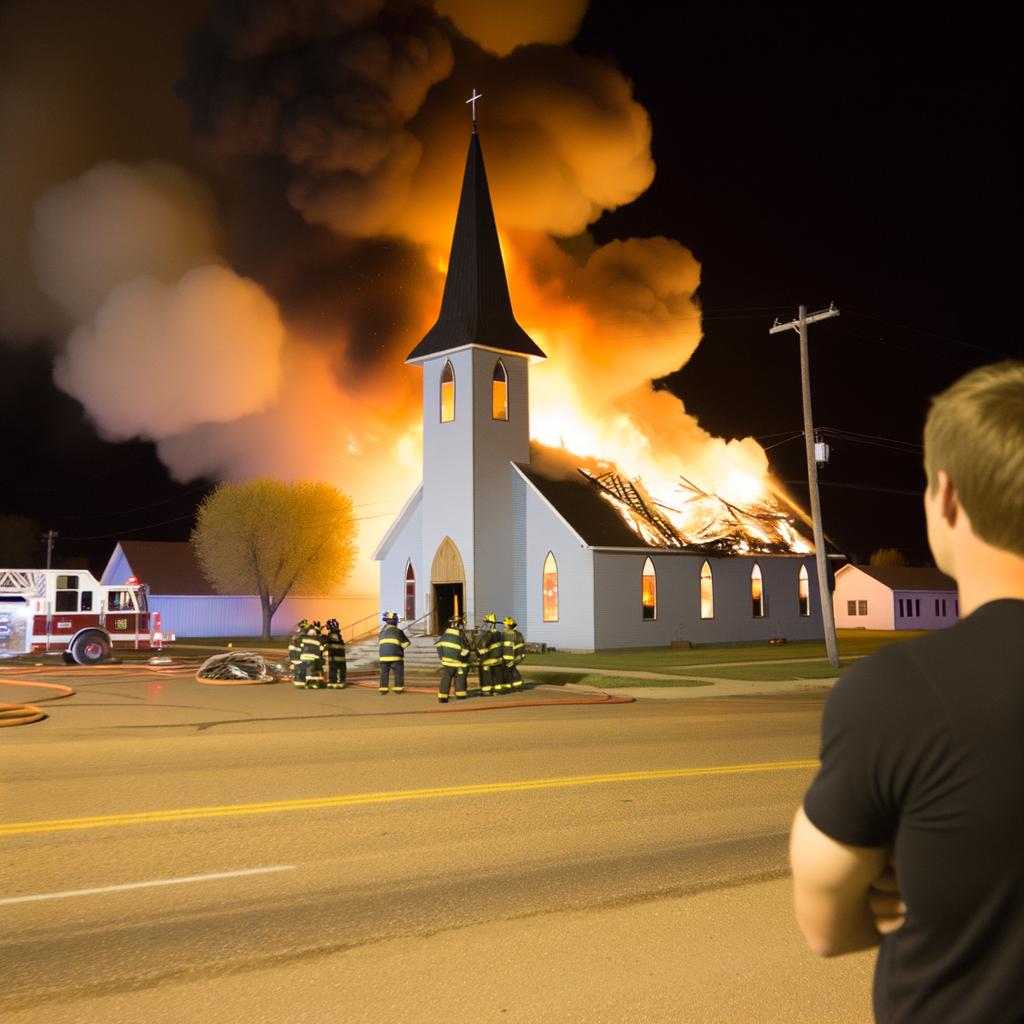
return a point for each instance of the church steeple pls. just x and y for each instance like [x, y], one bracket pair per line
[476, 308]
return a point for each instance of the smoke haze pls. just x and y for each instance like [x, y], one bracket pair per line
[264, 330]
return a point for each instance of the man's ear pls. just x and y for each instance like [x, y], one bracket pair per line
[948, 501]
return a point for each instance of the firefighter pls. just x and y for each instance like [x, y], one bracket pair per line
[453, 650]
[391, 644]
[492, 675]
[513, 650]
[295, 655]
[312, 656]
[335, 649]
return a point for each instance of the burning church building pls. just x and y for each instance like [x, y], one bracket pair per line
[582, 557]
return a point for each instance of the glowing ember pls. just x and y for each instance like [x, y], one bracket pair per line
[751, 524]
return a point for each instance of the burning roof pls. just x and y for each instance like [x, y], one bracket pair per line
[704, 521]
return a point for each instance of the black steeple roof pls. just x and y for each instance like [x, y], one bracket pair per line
[475, 308]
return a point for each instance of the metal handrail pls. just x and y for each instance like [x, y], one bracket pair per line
[409, 627]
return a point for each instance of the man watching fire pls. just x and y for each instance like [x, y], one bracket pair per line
[912, 834]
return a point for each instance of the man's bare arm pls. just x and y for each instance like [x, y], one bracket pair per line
[832, 884]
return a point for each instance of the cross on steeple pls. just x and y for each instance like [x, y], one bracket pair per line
[472, 99]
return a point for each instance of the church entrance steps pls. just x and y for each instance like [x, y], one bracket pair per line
[419, 654]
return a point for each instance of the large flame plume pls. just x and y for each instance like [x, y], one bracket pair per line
[343, 126]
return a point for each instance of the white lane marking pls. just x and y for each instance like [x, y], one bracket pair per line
[145, 885]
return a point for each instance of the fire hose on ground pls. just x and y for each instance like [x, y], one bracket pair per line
[247, 668]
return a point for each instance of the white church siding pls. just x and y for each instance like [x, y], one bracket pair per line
[618, 609]
[397, 549]
[547, 531]
[498, 442]
[448, 469]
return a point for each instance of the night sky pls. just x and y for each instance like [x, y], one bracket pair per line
[806, 154]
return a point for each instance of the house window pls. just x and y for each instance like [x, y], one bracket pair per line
[649, 591]
[447, 393]
[550, 589]
[956, 608]
[917, 607]
[804, 592]
[936, 607]
[707, 593]
[862, 607]
[943, 607]
[851, 607]
[901, 607]
[756, 592]
[410, 593]
[499, 392]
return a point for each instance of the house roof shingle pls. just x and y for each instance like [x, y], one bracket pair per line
[167, 567]
[908, 577]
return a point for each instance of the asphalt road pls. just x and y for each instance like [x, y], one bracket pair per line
[492, 895]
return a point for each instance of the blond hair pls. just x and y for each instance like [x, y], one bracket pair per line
[975, 432]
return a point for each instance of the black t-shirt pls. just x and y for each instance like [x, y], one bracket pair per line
[923, 748]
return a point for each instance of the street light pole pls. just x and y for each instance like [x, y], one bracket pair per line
[828, 617]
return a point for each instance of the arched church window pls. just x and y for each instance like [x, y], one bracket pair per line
[803, 588]
[447, 393]
[707, 593]
[499, 392]
[756, 592]
[550, 589]
[410, 593]
[649, 590]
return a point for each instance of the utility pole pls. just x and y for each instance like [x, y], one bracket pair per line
[50, 536]
[828, 617]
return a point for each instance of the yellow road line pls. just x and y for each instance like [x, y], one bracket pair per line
[271, 807]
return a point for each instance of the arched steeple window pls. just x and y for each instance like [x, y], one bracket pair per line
[410, 593]
[707, 593]
[550, 589]
[649, 591]
[756, 592]
[803, 589]
[447, 393]
[499, 392]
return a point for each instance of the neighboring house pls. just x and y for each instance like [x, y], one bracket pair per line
[891, 597]
[487, 532]
[190, 607]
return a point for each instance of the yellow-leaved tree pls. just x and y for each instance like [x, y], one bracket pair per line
[272, 538]
[888, 556]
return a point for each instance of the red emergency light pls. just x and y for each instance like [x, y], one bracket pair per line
[132, 581]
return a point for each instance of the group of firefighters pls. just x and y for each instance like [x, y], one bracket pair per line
[313, 648]
[498, 653]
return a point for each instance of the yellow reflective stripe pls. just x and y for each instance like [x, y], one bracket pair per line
[396, 657]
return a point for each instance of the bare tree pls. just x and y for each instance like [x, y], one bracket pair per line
[272, 538]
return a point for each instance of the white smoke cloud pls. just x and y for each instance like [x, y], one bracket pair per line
[161, 359]
[117, 222]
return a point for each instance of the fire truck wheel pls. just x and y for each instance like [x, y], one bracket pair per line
[90, 648]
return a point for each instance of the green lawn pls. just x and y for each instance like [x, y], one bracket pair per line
[663, 659]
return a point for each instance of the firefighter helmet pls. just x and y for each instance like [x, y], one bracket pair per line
[303, 623]
[332, 625]
[510, 623]
[491, 618]
[391, 618]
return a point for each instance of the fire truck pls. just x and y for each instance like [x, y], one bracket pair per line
[65, 611]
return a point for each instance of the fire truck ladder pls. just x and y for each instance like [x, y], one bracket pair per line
[25, 582]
